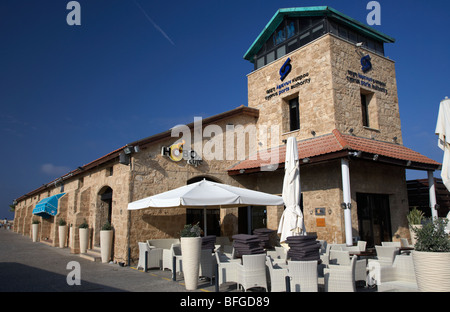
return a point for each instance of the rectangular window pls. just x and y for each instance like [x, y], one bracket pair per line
[270, 57]
[281, 51]
[294, 115]
[365, 110]
[260, 62]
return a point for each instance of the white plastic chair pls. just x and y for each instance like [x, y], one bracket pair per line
[252, 271]
[303, 276]
[340, 278]
[154, 256]
[277, 275]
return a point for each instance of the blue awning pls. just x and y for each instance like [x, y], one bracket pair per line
[48, 206]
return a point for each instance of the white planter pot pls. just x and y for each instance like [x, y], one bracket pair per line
[35, 228]
[84, 240]
[432, 271]
[62, 235]
[411, 232]
[106, 245]
[190, 252]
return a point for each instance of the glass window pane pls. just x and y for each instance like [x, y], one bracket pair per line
[290, 29]
[260, 62]
[352, 37]
[292, 45]
[270, 57]
[343, 32]
[317, 28]
[279, 36]
[281, 51]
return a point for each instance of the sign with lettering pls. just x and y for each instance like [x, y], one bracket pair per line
[287, 86]
[366, 81]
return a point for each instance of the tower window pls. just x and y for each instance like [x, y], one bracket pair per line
[294, 115]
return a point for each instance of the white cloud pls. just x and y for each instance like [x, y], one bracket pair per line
[53, 170]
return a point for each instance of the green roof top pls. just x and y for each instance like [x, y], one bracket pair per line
[311, 11]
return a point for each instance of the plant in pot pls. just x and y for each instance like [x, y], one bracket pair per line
[35, 229]
[84, 236]
[106, 237]
[415, 218]
[431, 256]
[191, 245]
[62, 232]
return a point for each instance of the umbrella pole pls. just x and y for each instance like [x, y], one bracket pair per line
[204, 221]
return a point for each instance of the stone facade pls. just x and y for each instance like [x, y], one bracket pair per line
[327, 79]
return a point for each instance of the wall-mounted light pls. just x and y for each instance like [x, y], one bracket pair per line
[137, 149]
[356, 154]
[313, 133]
[394, 139]
[375, 157]
[128, 150]
[408, 163]
[350, 131]
[330, 211]
[306, 160]
[346, 205]
[242, 171]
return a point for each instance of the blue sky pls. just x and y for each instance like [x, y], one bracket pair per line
[134, 68]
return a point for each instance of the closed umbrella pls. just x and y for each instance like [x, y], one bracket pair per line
[206, 194]
[443, 130]
[291, 222]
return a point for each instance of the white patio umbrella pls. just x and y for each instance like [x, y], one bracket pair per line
[206, 194]
[291, 222]
[443, 130]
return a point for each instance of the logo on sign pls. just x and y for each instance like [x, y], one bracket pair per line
[285, 69]
[366, 65]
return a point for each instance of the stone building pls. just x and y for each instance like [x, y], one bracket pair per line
[319, 76]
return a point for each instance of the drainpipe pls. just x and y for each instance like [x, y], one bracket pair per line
[432, 194]
[347, 201]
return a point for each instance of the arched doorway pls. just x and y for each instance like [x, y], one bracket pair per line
[198, 215]
[104, 210]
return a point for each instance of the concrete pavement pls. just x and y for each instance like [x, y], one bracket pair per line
[37, 267]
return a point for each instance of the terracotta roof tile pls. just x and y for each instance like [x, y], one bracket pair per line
[331, 143]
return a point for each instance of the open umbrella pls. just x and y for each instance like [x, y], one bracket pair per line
[291, 222]
[206, 194]
[443, 130]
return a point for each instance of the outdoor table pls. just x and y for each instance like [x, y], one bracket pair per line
[365, 253]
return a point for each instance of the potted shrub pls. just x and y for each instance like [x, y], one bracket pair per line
[431, 256]
[62, 232]
[414, 218]
[191, 245]
[35, 229]
[106, 236]
[84, 236]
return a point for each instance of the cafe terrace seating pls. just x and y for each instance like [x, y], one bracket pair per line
[340, 278]
[399, 276]
[154, 257]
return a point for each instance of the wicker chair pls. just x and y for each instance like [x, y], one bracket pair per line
[394, 244]
[342, 257]
[168, 254]
[386, 254]
[400, 276]
[252, 272]
[303, 276]
[277, 275]
[207, 264]
[362, 245]
[226, 269]
[154, 256]
[340, 278]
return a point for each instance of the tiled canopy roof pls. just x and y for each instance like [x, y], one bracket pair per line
[337, 145]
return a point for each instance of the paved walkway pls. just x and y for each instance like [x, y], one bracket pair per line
[36, 267]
